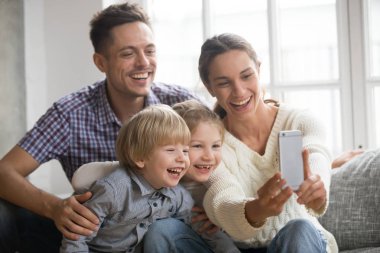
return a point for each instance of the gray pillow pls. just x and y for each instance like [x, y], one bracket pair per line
[353, 216]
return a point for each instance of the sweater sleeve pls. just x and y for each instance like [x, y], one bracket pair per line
[224, 203]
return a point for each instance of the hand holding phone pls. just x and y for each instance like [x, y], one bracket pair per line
[291, 163]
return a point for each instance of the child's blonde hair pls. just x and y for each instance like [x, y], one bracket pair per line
[193, 112]
[154, 126]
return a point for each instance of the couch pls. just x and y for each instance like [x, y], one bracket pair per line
[353, 216]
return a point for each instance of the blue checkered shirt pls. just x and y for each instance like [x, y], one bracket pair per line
[81, 127]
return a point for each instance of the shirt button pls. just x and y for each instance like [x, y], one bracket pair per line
[155, 204]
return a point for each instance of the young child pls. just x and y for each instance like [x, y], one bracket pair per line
[207, 132]
[152, 149]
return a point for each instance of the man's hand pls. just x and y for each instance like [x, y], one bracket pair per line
[345, 157]
[73, 219]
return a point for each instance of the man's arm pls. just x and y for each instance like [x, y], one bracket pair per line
[70, 217]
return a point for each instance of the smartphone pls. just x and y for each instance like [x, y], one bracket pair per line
[291, 162]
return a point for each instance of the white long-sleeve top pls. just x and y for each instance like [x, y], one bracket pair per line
[243, 171]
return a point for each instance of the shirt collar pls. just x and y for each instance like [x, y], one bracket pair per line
[105, 112]
[151, 99]
[146, 188]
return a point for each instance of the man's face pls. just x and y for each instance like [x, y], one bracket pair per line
[129, 60]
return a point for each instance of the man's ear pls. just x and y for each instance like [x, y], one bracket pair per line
[100, 61]
[140, 164]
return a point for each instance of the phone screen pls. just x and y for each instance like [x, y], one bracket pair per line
[291, 163]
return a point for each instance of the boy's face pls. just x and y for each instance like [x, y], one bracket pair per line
[166, 165]
[205, 152]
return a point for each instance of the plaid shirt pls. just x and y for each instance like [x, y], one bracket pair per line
[81, 127]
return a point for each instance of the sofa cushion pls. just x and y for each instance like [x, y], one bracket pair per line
[353, 216]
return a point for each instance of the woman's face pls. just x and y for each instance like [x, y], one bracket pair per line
[234, 81]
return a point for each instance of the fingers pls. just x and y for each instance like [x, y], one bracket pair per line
[197, 209]
[312, 192]
[208, 227]
[90, 220]
[73, 219]
[306, 167]
[273, 195]
[81, 198]
[199, 217]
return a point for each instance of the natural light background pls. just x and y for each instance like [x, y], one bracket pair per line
[374, 62]
[303, 34]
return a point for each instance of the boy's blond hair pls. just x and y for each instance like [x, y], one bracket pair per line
[193, 112]
[154, 126]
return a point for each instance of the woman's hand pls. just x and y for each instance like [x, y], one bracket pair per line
[270, 201]
[312, 192]
[207, 225]
[73, 219]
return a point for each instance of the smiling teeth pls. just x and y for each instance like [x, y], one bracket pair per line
[242, 102]
[203, 166]
[175, 170]
[140, 75]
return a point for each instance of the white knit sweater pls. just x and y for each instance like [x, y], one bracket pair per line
[243, 171]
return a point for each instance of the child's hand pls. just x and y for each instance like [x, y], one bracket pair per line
[207, 225]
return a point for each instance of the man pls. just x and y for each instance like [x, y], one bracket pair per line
[82, 128]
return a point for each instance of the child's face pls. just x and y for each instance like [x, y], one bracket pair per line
[166, 165]
[205, 152]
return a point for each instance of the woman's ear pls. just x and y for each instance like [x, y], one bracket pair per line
[100, 61]
[258, 65]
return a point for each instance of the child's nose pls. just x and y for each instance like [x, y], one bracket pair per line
[207, 154]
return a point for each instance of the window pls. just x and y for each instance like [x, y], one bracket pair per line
[373, 71]
[312, 55]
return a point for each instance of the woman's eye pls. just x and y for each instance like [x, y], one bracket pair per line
[247, 76]
[196, 146]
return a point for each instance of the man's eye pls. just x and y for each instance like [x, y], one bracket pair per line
[222, 84]
[151, 52]
[126, 54]
[247, 76]
[196, 146]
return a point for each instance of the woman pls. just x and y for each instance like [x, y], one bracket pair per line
[247, 196]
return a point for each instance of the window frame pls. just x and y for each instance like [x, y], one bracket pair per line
[354, 85]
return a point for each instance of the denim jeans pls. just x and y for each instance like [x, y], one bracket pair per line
[24, 231]
[173, 236]
[298, 236]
